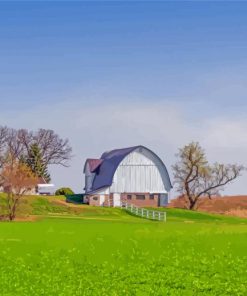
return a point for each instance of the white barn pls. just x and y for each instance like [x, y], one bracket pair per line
[136, 175]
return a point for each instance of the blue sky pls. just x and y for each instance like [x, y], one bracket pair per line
[112, 74]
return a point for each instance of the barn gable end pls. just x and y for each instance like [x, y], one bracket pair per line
[140, 171]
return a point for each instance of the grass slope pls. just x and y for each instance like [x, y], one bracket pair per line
[95, 251]
[56, 206]
[51, 206]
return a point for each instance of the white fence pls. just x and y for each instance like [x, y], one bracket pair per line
[144, 213]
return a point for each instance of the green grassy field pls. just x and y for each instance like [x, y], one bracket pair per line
[94, 251]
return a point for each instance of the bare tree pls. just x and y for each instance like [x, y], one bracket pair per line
[17, 144]
[54, 150]
[17, 179]
[14, 146]
[195, 178]
[11, 146]
[3, 138]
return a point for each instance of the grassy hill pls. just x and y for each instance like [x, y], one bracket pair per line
[82, 250]
[56, 206]
[43, 206]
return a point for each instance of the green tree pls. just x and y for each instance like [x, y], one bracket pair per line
[64, 191]
[35, 162]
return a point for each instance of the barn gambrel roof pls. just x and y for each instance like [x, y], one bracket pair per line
[109, 162]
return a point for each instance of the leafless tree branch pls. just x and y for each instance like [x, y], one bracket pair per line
[195, 178]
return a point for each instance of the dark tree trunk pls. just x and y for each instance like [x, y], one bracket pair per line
[12, 204]
[192, 204]
[11, 217]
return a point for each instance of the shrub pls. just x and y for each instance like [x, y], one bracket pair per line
[64, 191]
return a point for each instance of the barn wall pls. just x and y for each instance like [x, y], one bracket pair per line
[94, 200]
[147, 202]
[97, 199]
[138, 172]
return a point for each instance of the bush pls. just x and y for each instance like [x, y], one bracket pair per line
[64, 191]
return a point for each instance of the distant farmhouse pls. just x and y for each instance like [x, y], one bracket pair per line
[135, 175]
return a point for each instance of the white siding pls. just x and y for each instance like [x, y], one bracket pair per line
[101, 199]
[138, 172]
[116, 200]
[102, 191]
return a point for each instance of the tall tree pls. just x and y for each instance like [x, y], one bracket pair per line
[40, 149]
[35, 162]
[196, 178]
[53, 149]
[3, 138]
[11, 145]
[18, 144]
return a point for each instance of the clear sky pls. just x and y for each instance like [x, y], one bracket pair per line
[114, 74]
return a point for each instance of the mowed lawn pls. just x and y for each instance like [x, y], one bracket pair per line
[113, 253]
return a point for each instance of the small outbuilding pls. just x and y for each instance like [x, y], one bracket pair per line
[135, 175]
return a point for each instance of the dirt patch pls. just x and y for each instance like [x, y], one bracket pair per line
[242, 213]
[227, 205]
[31, 218]
[27, 219]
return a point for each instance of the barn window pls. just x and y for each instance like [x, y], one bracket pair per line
[151, 196]
[95, 198]
[129, 196]
[140, 197]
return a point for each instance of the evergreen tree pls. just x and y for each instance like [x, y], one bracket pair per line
[35, 162]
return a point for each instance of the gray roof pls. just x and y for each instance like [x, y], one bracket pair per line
[110, 161]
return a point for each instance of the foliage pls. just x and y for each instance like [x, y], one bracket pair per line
[17, 179]
[36, 163]
[196, 178]
[64, 191]
[123, 258]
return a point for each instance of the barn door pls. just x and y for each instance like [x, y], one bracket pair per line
[163, 199]
[116, 200]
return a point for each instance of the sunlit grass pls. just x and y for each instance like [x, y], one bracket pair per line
[99, 257]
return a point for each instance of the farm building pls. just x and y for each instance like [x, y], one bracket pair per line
[135, 175]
